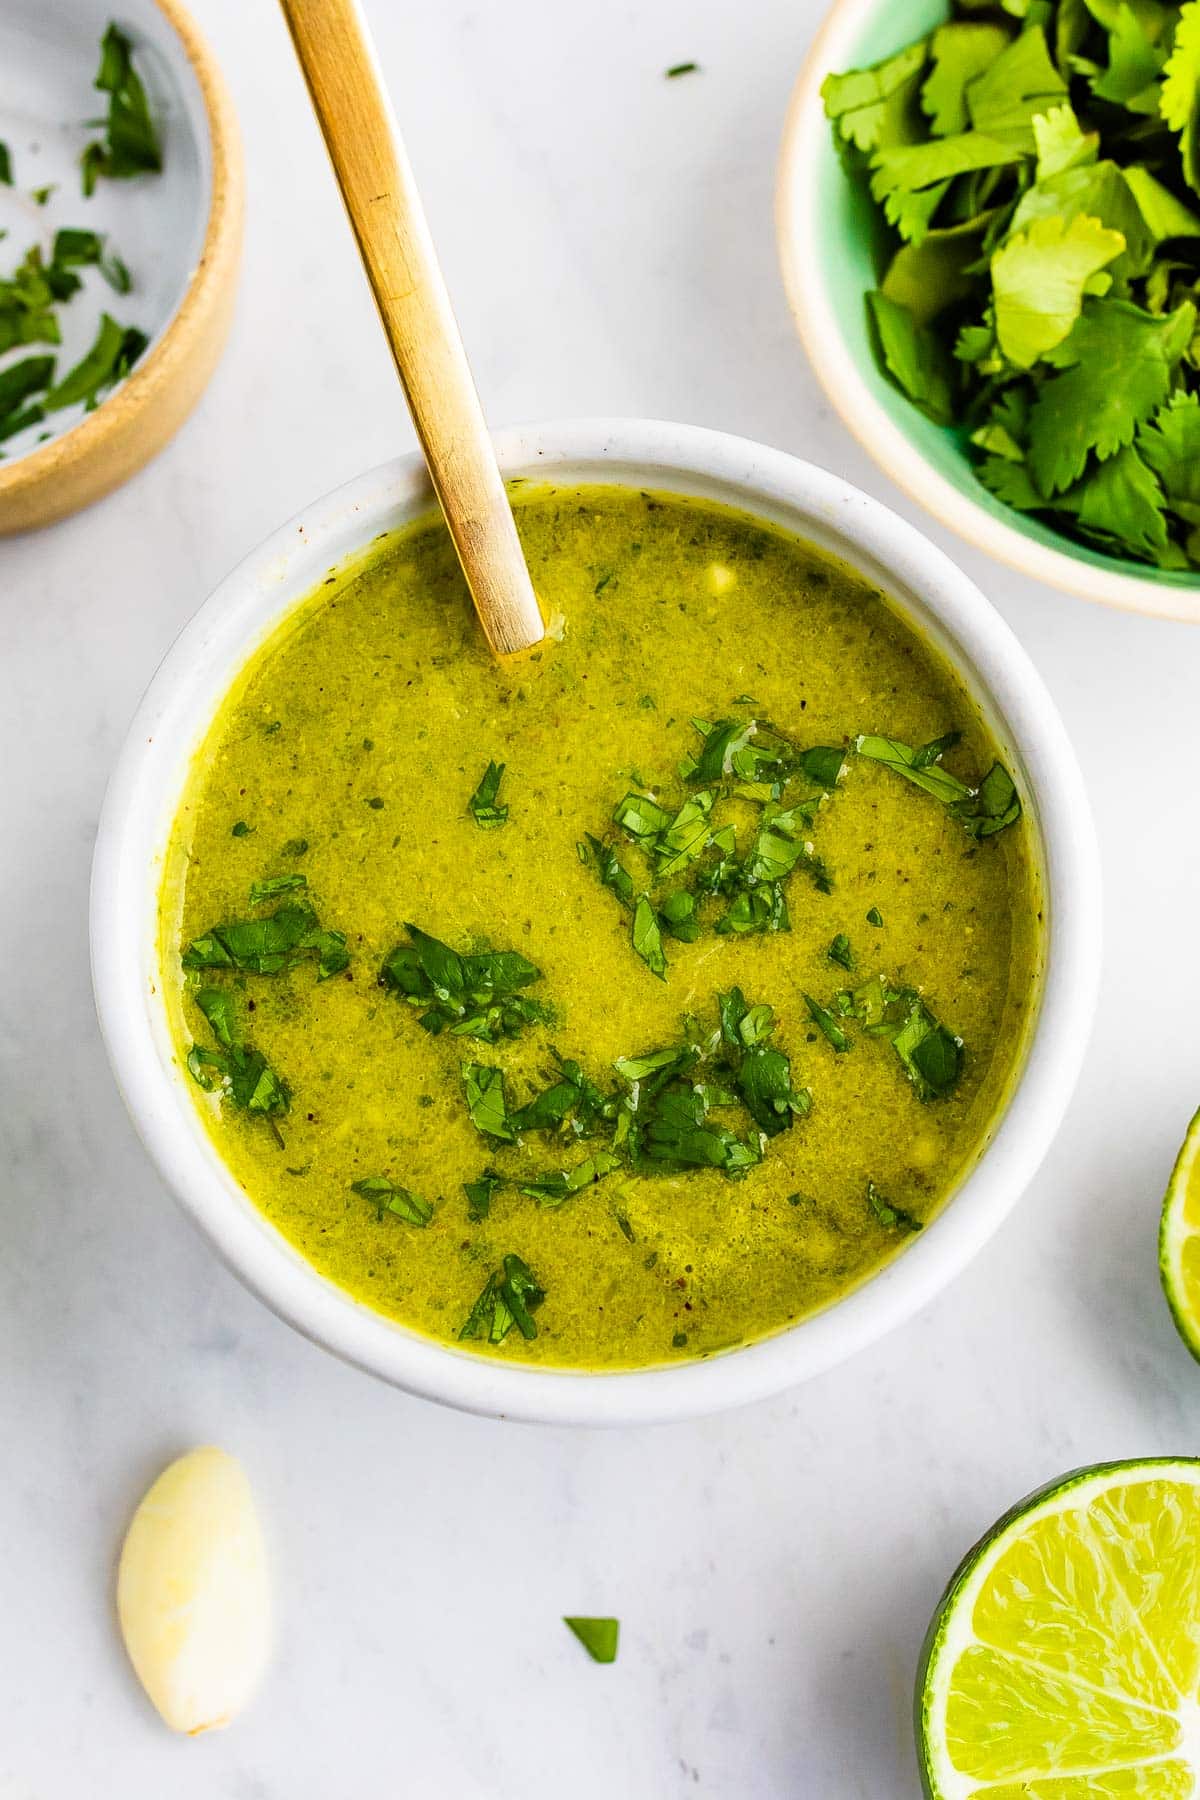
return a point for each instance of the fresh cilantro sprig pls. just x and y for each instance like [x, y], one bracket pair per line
[1039, 290]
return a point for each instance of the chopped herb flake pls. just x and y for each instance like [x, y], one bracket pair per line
[391, 1199]
[482, 805]
[599, 1636]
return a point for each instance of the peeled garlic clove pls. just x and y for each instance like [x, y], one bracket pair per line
[192, 1592]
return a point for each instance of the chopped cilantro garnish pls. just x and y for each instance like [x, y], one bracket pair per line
[241, 829]
[1037, 171]
[676, 69]
[874, 916]
[931, 1055]
[272, 885]
[388, 1198]
[268, 946]
[690, 846]
[486, 1101]
[482, 805]
[476, 995]
[981, 811]
[599, 1636]
[240, 1072]
[479, 1194]
[895, 1217]
[839, 951]
[647, 937]
[131, 144]
[511, 1297]
[826, 1022]
[6, 174]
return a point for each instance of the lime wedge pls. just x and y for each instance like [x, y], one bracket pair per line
[1064, 1660]
[1179, 1240]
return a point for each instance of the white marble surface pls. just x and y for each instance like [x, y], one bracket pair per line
[609, 237]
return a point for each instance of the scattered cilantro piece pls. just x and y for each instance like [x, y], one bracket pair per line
[391, 1199]
[131, 143]
[599, 1636]
[241, 1073]
[894, 1217]
[981, 811]
[115, 350]
[677, 69]
[272, 885]
[647, 937]
[479, 1194]
[6, 175]
[476, 995]
[268, 946]
[482, 805]
[874, 917]
[929, 1053]
[511, 1297]
[826, 1022]
[552, 1190]
[839, 951]
[241, 829]
[487, 1103]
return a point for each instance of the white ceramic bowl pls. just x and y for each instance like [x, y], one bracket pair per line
[826, 225]
[145, 789]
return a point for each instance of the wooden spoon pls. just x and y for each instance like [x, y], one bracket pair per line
[361, 135]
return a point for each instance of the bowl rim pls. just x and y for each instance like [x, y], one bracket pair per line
[804, 141]
[106, 446]
[145, 786]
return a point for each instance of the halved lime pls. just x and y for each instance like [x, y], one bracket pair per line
[1179, 1240]
[1064, 1660]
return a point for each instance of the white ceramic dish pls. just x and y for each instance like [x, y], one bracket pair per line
[825, 230]
[142, 798]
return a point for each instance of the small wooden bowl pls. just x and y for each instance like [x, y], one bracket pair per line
[107, 446]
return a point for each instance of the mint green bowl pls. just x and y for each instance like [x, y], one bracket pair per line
[828, 236]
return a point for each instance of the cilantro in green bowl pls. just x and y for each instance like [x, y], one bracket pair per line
[1011, 226]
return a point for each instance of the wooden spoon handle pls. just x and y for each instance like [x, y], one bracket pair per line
[361, 135]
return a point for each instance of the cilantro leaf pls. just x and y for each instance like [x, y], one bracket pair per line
[826, 1022]
[131, 143]
[1060, 143]
[1117, 363]
[511, 1297]
[487, 1102]
[894, 1217]
[482, 805]
[647, 937]
[388, 1198]
[959, 52]
[1122, 500]
[240, 1072]
[1179, 101]
[1018, 85]
[1170, 445]
[598, 1637]
[1039, 279]
[915, 356]
[858, 103]
[476, 995]
[479, 1194]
